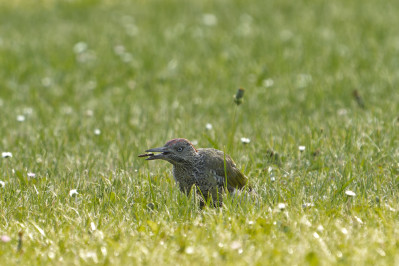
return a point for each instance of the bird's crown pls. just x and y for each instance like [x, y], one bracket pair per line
[174, 142]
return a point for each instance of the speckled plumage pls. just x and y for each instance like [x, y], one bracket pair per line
[204, 168]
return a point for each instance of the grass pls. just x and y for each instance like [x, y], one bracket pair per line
[143, 72]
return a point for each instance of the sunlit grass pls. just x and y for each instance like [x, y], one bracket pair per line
[86, 86]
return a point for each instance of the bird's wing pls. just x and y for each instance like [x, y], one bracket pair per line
[235, 178]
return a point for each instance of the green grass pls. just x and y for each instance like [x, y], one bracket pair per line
[143, 72]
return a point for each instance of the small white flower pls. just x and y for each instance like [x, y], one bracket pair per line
[342, 112]
[194, 142]
[97, 131]
[119, 49]
[31, 175]
[73, 193]
[2, 183]
[301, 148]
[91, 85]
[80, 47]
[208, 126]
[5, 238]
[93, 226]
[350, 193]
[270, 169]
[303, 80]
[104, 251]
[316, 235]
[320, 228]
[89, 113]
[209, 19]
[307, 205]
[6, 154]
[235, 245]
[28, 110]
[272, 179]
[67, 110]
[344, 231]
[245, 140]
[189, 250]
[46, 81]
[281, 206]
[126, 57]
[131, 29]
[268, 83]
[358, 220]
[20, 118]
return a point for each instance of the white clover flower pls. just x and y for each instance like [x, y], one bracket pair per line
[270, 169]
[93, 226]
[281, 206]
[209, 19]
[235, 245]
[31, 175]
[307, 205]
[342, 112]
[301, 148]
[268, 83]
[6, 154]
[73, 193]
[5, 238]
[80, 47]
[20, 118]
[119, 49]
[209, 126]
[189, 250]
[97, 131]
[245, 140]
[89, 113]
[303, 80]
[46, 81]
[350, 193]
[127, 57]
[131, 29]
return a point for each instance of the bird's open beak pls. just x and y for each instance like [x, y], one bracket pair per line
[163, 151]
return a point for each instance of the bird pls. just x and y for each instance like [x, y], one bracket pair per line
[209, 170]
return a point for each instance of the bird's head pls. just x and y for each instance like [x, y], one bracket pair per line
[175, 151]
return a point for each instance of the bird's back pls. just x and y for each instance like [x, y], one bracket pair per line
[217, 161]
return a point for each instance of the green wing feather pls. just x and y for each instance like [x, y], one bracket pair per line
[235, 178]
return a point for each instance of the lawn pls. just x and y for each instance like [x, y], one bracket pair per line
[86, 86]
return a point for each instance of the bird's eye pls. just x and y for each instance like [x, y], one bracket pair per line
[180, 149]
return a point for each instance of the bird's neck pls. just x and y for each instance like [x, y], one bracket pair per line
[185, 164]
